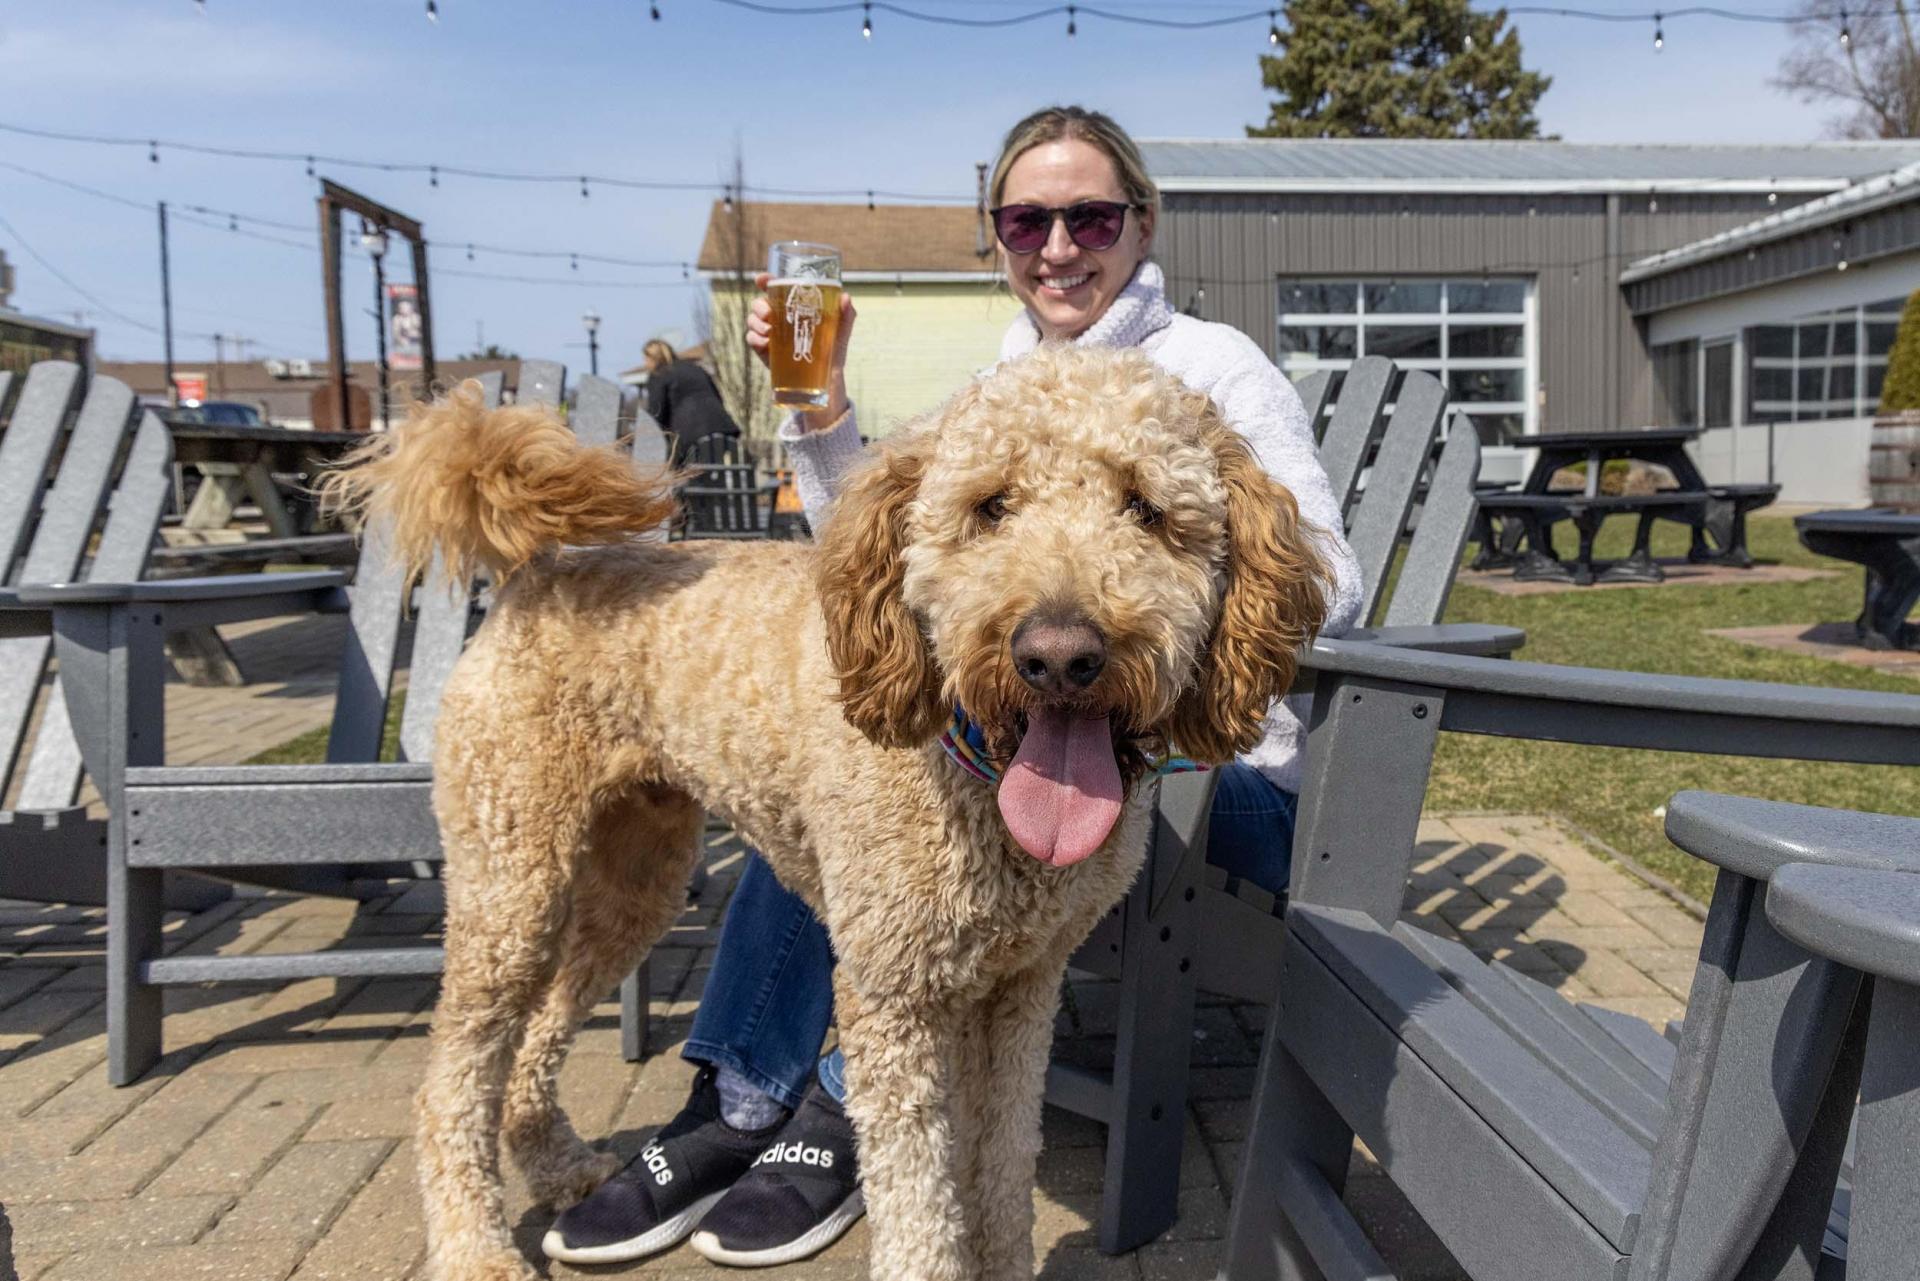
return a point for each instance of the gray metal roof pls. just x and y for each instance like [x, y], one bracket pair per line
[1469, 167]
[1864, 197]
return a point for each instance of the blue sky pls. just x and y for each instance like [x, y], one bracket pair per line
[595, 86]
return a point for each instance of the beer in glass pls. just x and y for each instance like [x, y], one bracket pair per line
[805, 295]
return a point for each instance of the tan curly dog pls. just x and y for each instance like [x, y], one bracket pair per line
[1075, 549]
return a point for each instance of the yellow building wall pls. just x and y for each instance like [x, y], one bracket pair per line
[913, 346]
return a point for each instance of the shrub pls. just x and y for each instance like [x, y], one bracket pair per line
[1902, 390]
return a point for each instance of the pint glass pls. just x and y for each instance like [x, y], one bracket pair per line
[805, 295]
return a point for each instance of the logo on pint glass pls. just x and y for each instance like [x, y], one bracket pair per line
[804, 309]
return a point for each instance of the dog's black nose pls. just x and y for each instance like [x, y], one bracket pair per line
[1059, 658]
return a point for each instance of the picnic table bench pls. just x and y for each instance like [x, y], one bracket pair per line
[1509, 518]
[1887, 544]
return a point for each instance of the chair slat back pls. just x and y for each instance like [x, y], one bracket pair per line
[69, 508]
[1375, 524]
[54, 768]
[542, 382]
[77, 493]
[595, 418]
[446, 606]
[1314, 390]
[379, 607]
[1356, 419]
[1446, 518]
[45, 405]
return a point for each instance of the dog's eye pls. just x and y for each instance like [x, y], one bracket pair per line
[1143, 511]
[993, 510]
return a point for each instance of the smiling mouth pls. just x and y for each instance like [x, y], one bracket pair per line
[1065, 284]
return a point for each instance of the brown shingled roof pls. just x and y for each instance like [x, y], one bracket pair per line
[884, 238]
[248, 381]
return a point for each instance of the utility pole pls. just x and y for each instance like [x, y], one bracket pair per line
[220, 364]
[166, 307]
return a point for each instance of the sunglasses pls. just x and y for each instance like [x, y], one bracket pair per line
[1091, 224]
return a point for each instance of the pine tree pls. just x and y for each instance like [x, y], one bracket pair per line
[1902, 390]
[1398, 69]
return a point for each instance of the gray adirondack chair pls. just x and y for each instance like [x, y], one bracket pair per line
[1534, 1137]
[308, 827]
[1858, 906]
[50, 848]
[1183, 927]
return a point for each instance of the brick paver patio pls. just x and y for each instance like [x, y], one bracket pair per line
[272, 1141]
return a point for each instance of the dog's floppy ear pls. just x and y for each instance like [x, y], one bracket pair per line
[888, 687]
[1273, 604]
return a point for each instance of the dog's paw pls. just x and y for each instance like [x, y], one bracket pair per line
[490, 1266]
[561, 1183]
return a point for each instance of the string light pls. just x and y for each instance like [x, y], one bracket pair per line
[1659, 35]
[233, 222]
[869, 202]
[573, 262]
[1653, 202]
[1469, 42]
[1846, 35]
[153, 153]
[1273, 27]
[469, 253]
[727, 202]
[866, 20]
[1071, 29]
[309, 166]
[433, 175]
[584, 193]
[433, 11]
[654, 10]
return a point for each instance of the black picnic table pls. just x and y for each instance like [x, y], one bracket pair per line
[1719, 510]
[1887, 544]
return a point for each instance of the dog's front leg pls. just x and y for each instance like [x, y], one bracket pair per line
[899, 1065]
[1018, 1025]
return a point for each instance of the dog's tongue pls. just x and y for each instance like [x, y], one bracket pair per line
[1061, 795]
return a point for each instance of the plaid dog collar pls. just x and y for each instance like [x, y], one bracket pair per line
[966, 746]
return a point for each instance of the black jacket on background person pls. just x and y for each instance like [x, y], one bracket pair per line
[681, 397]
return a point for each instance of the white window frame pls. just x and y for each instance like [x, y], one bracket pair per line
[1297, 364]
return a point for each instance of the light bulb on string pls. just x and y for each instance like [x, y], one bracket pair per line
[1273, 27]
[469, 253]
[1653, 202]
[654, 10]
[866, 20]
[1071, 28]
[726, 201]
[233, 222]
[584, 193]
[309, 166]
[684, 274]
[433, 175]
[433, 10]
[1469, 42]
[869, 202]
[573, 262]
[1846, 33]
[153, 153]
[1659, 34]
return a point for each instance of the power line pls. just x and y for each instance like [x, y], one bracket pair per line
[69, 282]
[435, 171]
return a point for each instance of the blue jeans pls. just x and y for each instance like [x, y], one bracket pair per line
[769, 997]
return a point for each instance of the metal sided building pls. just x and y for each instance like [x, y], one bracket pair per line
[1522, 272]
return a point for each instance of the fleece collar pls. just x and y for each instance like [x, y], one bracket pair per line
[1137, 314]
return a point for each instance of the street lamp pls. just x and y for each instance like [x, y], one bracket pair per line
[373, 239]
[592, 321]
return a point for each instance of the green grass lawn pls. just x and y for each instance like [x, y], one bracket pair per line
[1614, 793]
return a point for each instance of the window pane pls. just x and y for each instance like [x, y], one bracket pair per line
[1488, 384]
[1402, 342]
[1329, 342]
[1891, 307]
[1499, 295]
[1499, 429]
[1486, 340]
[1319, 296]
[1812, 385]
[1719, 386]
[1770, 340]
[1771, 384]
[1876, 380]
[1416, 296]
[1844, 335]
[1813, 339]
[1880, 338]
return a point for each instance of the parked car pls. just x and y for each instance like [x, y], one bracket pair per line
[219, 413]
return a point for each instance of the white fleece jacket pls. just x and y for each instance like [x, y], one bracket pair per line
[1251, 394]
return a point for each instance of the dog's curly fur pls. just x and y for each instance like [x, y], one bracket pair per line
[618, 690]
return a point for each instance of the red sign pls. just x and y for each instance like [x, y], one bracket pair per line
[190, 389]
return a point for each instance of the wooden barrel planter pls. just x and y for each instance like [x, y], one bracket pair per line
[1893, 461]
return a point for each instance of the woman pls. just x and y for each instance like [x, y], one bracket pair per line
[681, 397]
[1074, 212]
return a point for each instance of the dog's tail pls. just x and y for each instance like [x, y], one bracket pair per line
[493, 488]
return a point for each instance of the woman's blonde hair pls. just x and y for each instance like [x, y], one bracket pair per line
[657, 354]
[1097, 129]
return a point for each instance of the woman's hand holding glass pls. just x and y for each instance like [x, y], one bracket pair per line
[760, 339]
